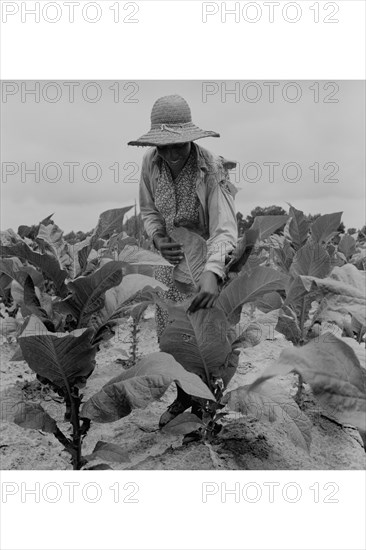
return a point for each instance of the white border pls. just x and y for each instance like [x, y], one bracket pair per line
[171, 512]
[171, 42]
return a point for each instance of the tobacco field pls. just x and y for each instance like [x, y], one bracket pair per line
[276, 368]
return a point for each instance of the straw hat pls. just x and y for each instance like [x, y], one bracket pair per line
[171, 122]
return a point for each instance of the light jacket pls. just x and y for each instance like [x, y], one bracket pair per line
[216, 193]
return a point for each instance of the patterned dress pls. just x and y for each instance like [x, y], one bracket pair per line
[178, 203]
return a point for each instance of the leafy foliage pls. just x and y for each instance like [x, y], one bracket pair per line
[187, 273]
[312, 260]
[110, 222]
[27, 415]
[334, 373]
[298, 228]
[64, 298]
[266, 225]
[62, 358]
[343, 292]
[325, 227]
[245, 224]
[183, 424]
[198, 341]
[266, 401]
[64, 318]
[47, 264]
[87, 293]
[138, 386]
[108, 451]
[247, 288]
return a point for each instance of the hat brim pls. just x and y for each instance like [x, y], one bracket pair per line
[157, 137]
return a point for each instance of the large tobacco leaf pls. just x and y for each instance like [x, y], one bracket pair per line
[50, 240]
[350, 275]
[296, 291]
[63, 358]
[284, 256]
[25, 231]
[32, 304]
[10, 327]
[117, 242]
[255, 332]
[269, 302]
[198, 341]
[17, 293]
[108, 451]
[359, 350]
[248, 288]
[9, 237]
[288, 325]
[266, 225]
[183, 424]
[267, 402]
[51, 237]
[325, 227]
[110, 221]
[347, 246]
[298, 228]
[47, 263]
[5, 282]
[343, 290]
[140, 261]
[132, 290]
[25, 414]
[79, 253]
[241, 253]
[138, 386]
[298, 300]
[13, 268]
[187, 273]
[311, 259]
[335, 375]
[133, 255]
[88, 292]
[261, 229]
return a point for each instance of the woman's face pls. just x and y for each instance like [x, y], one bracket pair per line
[175, 155]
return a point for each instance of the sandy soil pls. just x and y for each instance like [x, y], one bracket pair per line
[244, 443]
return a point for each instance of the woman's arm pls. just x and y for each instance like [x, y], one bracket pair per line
[223, 236]
[153, 222]
[223, 226]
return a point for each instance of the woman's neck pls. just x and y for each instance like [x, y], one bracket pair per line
[176, 171]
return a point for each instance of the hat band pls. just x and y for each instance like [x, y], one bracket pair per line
[172, 128]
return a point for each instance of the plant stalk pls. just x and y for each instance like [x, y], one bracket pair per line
[77, 461]
[298, 396]
[302, 321]
[65, 441]
[134, 340]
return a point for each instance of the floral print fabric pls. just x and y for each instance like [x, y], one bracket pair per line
[178, 204]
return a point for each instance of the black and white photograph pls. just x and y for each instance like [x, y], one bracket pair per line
[182, 275]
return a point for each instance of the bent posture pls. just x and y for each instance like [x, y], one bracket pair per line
[184, 185]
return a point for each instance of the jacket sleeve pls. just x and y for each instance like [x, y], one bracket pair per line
[222, 221]
[153, 221]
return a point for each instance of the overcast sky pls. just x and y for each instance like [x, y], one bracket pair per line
[322, 136]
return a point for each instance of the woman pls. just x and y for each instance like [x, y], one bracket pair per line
[183, 184]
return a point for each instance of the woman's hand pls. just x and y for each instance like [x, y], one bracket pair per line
[208, 290]
[170, 250]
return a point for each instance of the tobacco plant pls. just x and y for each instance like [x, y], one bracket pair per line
[206, 343]
[61, 333]
[199, 351]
